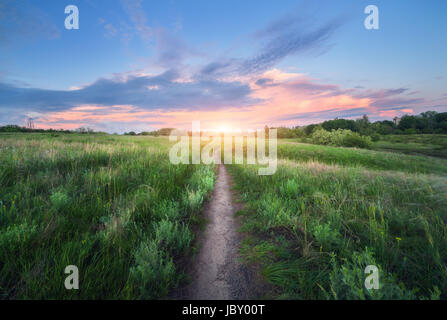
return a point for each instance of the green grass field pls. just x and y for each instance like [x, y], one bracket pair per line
[329, 212]
[113, 206]
[434, 145]
[119, 210]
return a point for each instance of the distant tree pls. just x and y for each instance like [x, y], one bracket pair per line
[165, 131]
[309, 129]
[440, 117]
[407, 122]
[283, 132]
[339, 124]
[442, 126]
[383, 127]
[363, 125]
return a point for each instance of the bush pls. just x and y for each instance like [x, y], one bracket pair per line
[347, 281]
[410, 131]
[59, 199]
[321, 136]
[153, 272]
[341, 138]
[375, 137]
[172, 237]
[325, 234]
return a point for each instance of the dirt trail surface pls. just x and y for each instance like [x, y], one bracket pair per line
[216, 272]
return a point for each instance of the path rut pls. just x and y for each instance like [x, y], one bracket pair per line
[216, 272]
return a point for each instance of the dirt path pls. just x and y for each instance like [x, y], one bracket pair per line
[216, 272]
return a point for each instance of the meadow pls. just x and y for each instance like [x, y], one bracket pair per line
[434, 145]
[116, 207]
[113, 206]
[329, 212]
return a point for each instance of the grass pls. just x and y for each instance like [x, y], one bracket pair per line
[113, 206]
[329, 212]
[351, 157]
[434, 145]
[119, 210]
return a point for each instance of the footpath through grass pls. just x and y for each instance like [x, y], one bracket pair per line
[113, 206]
[322, 218]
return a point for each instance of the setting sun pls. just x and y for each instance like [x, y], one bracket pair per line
[225, 128]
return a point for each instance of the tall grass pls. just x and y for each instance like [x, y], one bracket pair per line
[113, 206]
[434, 145]
[315, 227]
[349, 157]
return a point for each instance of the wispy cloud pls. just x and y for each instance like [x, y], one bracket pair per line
[170, 49]
[290, 35]
[316, 116]
[287, 37]
[134, 8]
[21, 19]
[382, 93]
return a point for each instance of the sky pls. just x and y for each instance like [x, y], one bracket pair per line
[141, 65]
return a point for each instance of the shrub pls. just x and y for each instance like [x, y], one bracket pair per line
[59, 199]
[172, 237]
[341, 138]
[347, 280]
[410, 131]
[153, 272]
[321, 136]
[375, 137]
[325, 234]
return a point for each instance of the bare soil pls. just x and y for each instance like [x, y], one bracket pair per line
[216, 272]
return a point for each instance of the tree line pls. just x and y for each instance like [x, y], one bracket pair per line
[428, 122]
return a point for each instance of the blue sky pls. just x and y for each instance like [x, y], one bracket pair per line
[170, 60]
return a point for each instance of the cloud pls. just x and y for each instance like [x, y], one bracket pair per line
[390, 99]
[245, 91]
[220, 68]
[394, 112]
[287, 36]
[141, 102]
[170, 49]
[290, 35]
[326, 114]
[395, 102]
[110, 30]
[383, 93]
[21, 20]
[165, 91]
[264, 82]
[110, 119]
[134, 8]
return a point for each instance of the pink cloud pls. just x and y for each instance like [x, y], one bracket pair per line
[282, 95]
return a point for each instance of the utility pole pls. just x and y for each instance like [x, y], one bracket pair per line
[30, 123]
